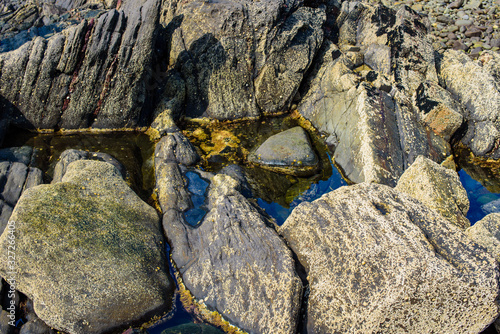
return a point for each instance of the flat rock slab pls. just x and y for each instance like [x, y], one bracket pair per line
[381, 262]
[289, 152]
[234, 263]
[89, 251]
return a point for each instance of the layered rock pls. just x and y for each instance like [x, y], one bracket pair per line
[16, 175]
[90, 253]
[437, 187]
[235, 263]
[379, 261]
[289, 151]
[476, 84]
[259, 50]
[91, 74]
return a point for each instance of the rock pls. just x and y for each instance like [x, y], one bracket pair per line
[92, 74]
[458, 45]
[462, 23]
[472, 32]
[36, 326]
[437, 187]
[175, 147]
[288, 152]
[192, 329]
[260, 50]
[379, 261]
[171, 104]
[235, 263]
[171, 187]
[71, 155]
[21, 154]
[477, 88]
[491, 207]
[378, 57]
[438, 110]
[5, 327]
[93, 222]
[486, 233]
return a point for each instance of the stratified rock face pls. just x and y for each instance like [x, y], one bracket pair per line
[259, 50]
[236, 264]
[486, 233]
[477, 85]
[289, 151]
[90, 253]
[381, 262]
[90, 75]
[437, 187]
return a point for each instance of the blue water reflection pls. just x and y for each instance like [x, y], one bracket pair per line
[482, 201]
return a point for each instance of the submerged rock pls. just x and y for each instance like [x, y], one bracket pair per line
[379, 261]
[437, 187]
[486, 233]
[235, 263]
[90, 252]
[289, 152]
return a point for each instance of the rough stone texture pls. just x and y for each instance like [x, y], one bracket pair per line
[170, 186]
[235, 263]
[438, 110]
[437, 187]
[486, 233]
[175, 147]
[477, 86]
[381, 262]
[71, 155]
[378, 57]
[91, 74]
[99, 241]
[5, 328]
[259, 49]
[289, 151]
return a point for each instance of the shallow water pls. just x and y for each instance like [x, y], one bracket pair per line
[482, 201]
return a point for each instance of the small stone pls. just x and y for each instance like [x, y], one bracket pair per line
[463, 22]
[417, 7]
[486, 46]
[456, 4]
[495, 43]
[453, 28]
[473, 32]
[451, 36]
[444, 19]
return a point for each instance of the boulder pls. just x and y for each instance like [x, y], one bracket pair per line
[288, 152]
[89, 251]
[259, 49]
[379, 261]
[71, 155]
[486, 233]
[476, 85]
[438, 109]
[175, 147]
[91, 74]
[5, 327]
[437, 187]
[36, 326]
[234, 263]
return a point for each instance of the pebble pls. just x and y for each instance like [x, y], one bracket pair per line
[463, 22]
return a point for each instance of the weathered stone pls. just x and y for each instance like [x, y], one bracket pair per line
[35, 326]
[71, 155]
[438, 110]
[477, 88]
[235, 263]
[95, 237]
[437, 187]
[175, 147]
[378, 57]
[17, 154]
[170, 186]
[289, 152]
[5, 327]
[486, 233]
[379, 261]
[260, 50]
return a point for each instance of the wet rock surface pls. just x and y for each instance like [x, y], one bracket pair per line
[414, 273]
[437, 187]
[92, 221]
[289, 151]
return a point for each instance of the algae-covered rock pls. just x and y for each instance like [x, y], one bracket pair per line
[235, 263]
[89, 251]
[289, 152]
[437, 187]
[379, 261]
[486, 233]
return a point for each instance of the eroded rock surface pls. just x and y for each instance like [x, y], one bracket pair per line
[486, 233]
[379, 261]
[90, 252]
[437, 187]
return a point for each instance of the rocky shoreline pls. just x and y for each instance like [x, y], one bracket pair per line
[388, 92]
